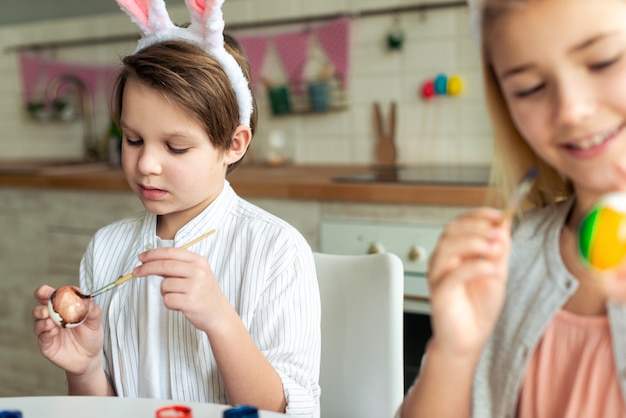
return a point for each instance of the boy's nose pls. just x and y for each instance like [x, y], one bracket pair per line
[148, 162]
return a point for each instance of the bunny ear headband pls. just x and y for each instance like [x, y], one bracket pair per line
[206, 30]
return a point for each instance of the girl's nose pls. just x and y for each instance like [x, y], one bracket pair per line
[575, 102]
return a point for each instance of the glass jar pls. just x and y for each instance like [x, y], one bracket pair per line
[278, 151]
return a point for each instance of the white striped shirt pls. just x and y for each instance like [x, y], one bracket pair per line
[264, 267]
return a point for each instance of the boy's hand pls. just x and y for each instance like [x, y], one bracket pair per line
[76, 350]
[188, 286]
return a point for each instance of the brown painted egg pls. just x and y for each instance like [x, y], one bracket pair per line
[68, 306]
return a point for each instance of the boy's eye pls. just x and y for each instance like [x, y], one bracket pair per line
[134, 143]
[174, 150]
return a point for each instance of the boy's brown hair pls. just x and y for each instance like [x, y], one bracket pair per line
[193, 80]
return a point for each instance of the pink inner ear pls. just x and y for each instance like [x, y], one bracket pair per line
[200, 6]
[139, 9]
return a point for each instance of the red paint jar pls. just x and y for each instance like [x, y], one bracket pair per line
[174, 411]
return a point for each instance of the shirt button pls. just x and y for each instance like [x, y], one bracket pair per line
[568, 284]
[149, 246]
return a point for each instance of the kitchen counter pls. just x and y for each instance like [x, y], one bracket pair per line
[303, 182]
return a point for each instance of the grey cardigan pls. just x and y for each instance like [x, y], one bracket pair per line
[538, 286]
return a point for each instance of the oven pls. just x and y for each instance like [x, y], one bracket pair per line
[413, 243]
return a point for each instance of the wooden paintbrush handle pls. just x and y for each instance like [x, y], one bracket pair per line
[124, 279]
[200, 238]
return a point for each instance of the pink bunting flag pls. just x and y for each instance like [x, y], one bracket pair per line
[256, 49]
[37, 72]
[334, 37]
[293, 49]
[32, 74]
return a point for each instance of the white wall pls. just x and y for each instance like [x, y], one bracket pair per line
[443, 130]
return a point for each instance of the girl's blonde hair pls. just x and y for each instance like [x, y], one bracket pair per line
[193, 80]
[513, 157]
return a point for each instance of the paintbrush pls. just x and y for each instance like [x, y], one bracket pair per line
[123, 279]
[520, 193]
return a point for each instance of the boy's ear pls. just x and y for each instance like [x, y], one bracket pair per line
[239, 146]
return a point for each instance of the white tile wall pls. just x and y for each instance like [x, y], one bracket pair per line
[441, 130]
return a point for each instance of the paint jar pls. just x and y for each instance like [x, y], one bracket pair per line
[241, 412]
[10, 414]
[174, 411]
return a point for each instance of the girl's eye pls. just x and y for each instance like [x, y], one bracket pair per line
[133, 143]
[530, 91]
[599, 66]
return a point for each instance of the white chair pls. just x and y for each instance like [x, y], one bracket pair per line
[361, 372]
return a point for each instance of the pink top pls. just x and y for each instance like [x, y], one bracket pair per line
[572, 372]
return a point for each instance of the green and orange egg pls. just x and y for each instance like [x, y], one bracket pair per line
[602, 233]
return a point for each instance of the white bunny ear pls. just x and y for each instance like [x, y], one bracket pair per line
[150, 16]
[207, 21]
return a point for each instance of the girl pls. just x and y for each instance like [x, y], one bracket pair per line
[541, 335]
[236, 317]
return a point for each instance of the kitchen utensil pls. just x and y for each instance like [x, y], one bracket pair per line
[385, 136]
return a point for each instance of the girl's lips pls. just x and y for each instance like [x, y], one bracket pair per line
[151, 193]
[595, 145]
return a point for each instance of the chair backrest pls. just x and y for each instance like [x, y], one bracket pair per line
[361, 372]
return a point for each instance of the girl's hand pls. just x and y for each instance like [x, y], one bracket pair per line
[467, 279]
[188, 286]
[77, 350]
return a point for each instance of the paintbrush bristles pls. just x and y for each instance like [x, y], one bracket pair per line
[522, 190]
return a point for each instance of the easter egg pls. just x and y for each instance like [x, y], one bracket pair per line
[68, 307]
[455, 85]
[428, 89]
[441, 84]
[602, 233]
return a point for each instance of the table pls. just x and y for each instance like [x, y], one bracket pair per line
[107, 407]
